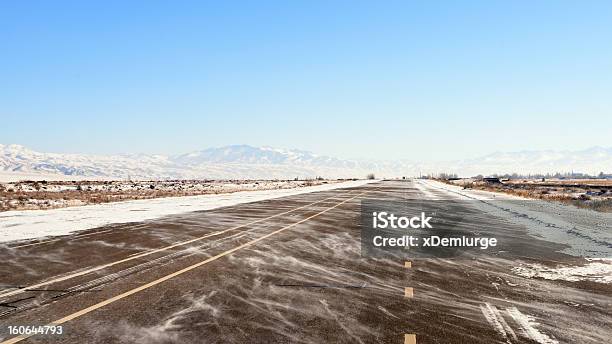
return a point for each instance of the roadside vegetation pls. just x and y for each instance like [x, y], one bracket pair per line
[595, 194]
[31, 195]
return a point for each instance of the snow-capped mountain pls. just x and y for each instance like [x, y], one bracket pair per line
[240, 161]
[243, 161]
[592, 161]
[17, 158]
[244, 154]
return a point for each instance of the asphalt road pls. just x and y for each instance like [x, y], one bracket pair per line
[289, 270]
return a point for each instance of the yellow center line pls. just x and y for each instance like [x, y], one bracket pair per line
[132, 257]
[176, 273]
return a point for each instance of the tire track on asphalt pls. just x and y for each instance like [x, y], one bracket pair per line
[176, 273]
[147, 253]
[78, 236]
[88, 285]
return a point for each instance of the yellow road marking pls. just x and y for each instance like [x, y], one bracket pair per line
[407, 264]
[410, 338]
[408, 292]
[132, 257]
[174, 274]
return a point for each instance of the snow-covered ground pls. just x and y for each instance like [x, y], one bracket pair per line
[595, 271]
[31, 195]
[30, 224]
[587, 233]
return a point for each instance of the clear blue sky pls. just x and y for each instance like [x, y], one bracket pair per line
[416, 80]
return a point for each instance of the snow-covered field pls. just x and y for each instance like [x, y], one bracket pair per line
[32, 195]
[30, 224]
[587, 233]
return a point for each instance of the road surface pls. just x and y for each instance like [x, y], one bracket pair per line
[289, 270]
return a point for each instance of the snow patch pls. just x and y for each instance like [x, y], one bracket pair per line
[528, 327]
[31, 224]
[587, 233]
[596, 271]
[496, 320]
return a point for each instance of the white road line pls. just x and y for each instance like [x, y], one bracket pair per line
[129, 258]
[78, 236]
[174, 274]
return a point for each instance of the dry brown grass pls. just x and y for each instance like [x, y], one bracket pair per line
[590, 182]
[566, 195]
[11, 198]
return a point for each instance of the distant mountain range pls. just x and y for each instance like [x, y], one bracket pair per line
[243, 161]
